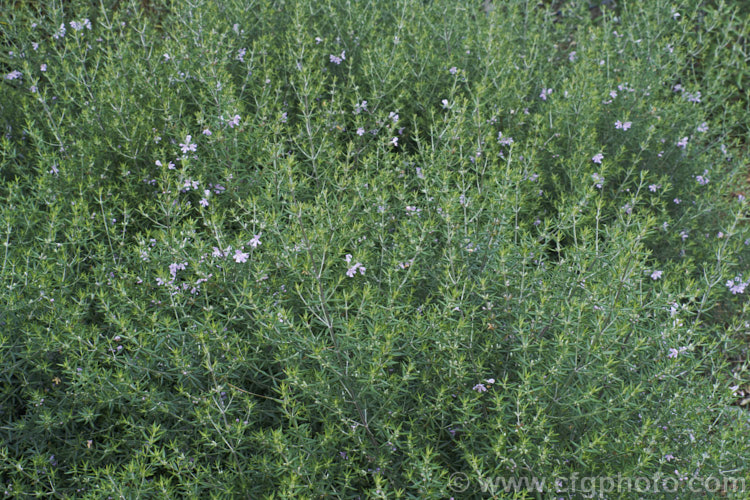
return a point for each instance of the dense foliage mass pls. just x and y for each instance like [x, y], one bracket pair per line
[353, 249]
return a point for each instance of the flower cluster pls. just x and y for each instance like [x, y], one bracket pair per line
[505, 141]
[255, 241]
[337, 59]
[359, 107]
[187, 146]
[482, 387]
[673, 353]
[176, 266]
[622, 125]
[702, 179]
[736, 285]
[240, 257]
[60, 32]
[696, 97]
[353, 269]
[194, 288]
[598, 179]
[78, 26]
[234, 121]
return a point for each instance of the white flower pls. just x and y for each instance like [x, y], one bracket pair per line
[234, 121]
[255, 241]
[240, 256]
[60, 32]
[187, 145]
[736, 285]
[623, 126]
[357, 266]
[505, 141]
[353, 270]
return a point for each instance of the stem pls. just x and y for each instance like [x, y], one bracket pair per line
[343, 377]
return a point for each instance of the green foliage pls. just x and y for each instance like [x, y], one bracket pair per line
[224, 274]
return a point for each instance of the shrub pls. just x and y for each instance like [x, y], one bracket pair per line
[349, 249]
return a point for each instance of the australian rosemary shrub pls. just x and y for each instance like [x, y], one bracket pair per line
[353, 249]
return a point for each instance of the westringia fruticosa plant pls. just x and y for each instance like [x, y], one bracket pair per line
[349, 249]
